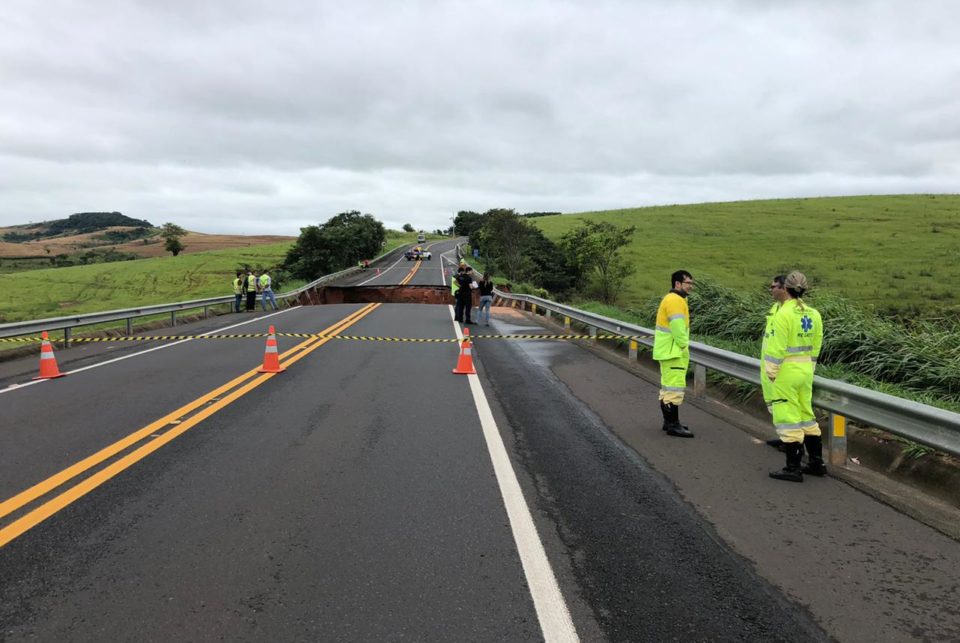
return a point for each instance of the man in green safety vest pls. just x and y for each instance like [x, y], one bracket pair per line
[251, 292]
[266, 291]
[237, 292]
[791, 352]
[671, 347]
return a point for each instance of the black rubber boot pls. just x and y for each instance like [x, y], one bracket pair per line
[674, 427]
[791, 472]
[665, 409]
[814, 446]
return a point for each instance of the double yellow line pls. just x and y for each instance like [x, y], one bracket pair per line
[173, 425]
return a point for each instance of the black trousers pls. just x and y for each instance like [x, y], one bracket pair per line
[251, 299]
[461, 310]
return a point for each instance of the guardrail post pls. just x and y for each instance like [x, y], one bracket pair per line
[566, 324]
[632, 350]
[66, 337]
[206, 312]
[129, 325]
[173, 318]
[533, 307]
[547, 313]
[837, 440]
[699, 380]
[593, 334]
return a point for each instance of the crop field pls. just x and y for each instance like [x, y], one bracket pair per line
[55, 292]
[896, 254]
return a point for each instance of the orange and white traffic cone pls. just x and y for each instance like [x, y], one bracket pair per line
[465, 362]
[271, 358]
[48, 363]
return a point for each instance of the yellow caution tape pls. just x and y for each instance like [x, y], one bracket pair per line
[364, 338]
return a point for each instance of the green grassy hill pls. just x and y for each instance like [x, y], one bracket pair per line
[55, 292]
[894, 253]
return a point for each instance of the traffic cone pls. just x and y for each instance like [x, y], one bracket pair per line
[465, 362]
[271, 358]
[378, 272]
[48, 363]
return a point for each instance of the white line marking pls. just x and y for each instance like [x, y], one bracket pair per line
[13, 387]
[383, 273]
[552, 612]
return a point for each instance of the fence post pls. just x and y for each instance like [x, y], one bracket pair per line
[837, 440]
[632, 351]
[699, 380]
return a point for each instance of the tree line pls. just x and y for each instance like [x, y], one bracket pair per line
[587, 260]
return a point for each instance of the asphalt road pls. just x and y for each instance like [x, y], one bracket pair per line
[366, 493]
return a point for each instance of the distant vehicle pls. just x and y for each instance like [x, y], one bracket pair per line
[417, 254]
[421, 238]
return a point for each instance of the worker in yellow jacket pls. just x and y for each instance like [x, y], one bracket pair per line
[671, 347]
[796, 336]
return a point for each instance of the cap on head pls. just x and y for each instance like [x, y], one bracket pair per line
[796, 280]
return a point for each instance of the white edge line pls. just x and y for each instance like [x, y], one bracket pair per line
[17, 387]
[552, 612]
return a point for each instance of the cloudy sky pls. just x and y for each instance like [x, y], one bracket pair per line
[260, 117]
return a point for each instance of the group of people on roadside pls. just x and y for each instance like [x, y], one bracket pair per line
[791, 344]
[462, 285]
[247, 286]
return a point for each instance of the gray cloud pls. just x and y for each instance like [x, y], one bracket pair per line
[213, 113]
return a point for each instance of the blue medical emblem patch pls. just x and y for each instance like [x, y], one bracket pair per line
[806, 324]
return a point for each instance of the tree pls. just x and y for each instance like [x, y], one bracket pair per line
[466, 223]
[171, 234]
[407, 227]
[339, 243]
[593, 250]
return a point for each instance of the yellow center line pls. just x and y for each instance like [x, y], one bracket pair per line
[413, 271]
[36, 516]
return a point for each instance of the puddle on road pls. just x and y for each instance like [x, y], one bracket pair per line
[544, 352]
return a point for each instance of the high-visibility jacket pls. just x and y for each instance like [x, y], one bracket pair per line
[237, 286]
[454, 286]
[765, 384]
[251, 283]
[796, 335]
[671, 337]
[264, 281]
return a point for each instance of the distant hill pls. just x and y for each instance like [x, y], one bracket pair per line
[80, 223]
[98, 237]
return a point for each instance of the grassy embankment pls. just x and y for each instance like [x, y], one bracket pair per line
[892, 253]
[56, 292]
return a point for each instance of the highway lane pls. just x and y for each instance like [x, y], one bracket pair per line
[350, 497]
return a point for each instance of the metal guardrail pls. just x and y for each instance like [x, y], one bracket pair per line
[66, 324]
[920, 423]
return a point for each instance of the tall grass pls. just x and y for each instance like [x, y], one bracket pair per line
[919, 360]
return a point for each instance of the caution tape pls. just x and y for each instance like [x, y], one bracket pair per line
[362, 338]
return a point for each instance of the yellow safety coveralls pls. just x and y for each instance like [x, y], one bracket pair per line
[671, 347]
[796, 335]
